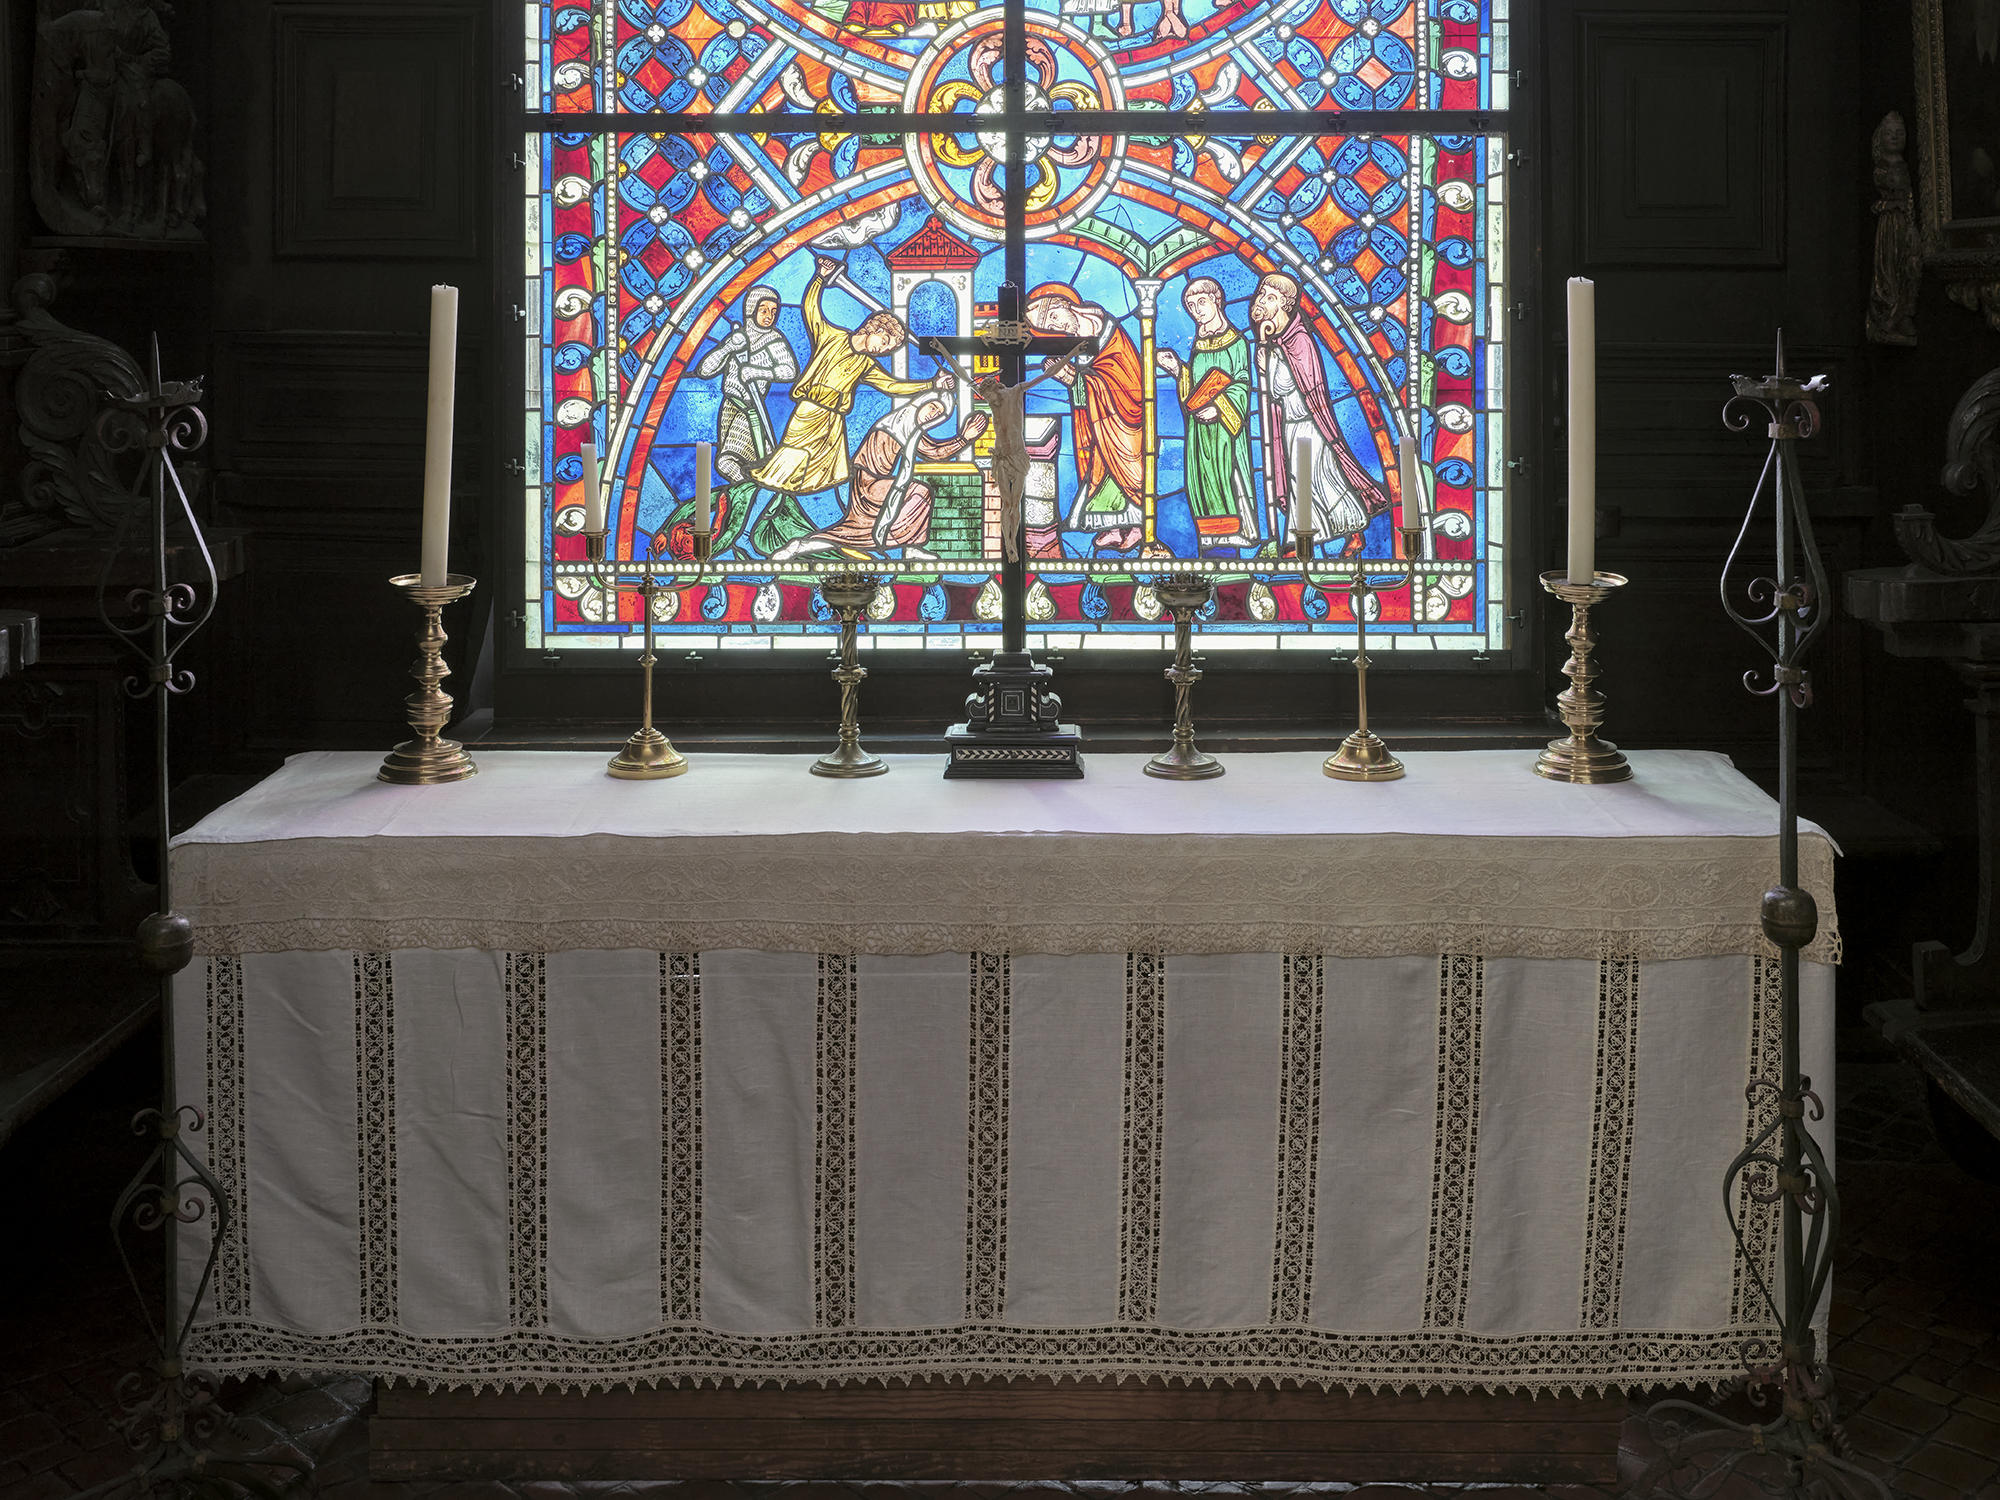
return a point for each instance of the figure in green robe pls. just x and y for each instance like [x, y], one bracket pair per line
[1214, 388]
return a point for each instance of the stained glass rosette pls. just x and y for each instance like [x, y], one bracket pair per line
[720, 285]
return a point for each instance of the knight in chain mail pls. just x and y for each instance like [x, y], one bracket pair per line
[755, 356]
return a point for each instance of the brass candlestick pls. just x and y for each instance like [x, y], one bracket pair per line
[847, 595]
[1183, 594]
[1362, 756]
[427, 760]
[1580, 755]
[648, 754]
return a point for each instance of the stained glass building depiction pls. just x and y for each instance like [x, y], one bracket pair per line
[701, 268]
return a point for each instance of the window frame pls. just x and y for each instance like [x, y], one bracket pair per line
[782, 699]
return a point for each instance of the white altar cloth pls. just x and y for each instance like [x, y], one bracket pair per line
[1478, 1147]
[1472, 851]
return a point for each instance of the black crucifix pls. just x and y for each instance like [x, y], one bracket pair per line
[1012, 715]
[1012, 725]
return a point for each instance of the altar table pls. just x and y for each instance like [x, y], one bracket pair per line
[748, 1076]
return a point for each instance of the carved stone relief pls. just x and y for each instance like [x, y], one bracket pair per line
[1972, 463]
[70, 479]
[111, 136]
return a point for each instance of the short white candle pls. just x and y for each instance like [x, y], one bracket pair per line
[1412, 477]
[704, 507]
[1582, 430]
[593, 490]
[437, 434]
[1302, 482]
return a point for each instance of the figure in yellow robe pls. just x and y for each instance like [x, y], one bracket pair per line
[812, 455]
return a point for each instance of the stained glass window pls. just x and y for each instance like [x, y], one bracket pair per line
[744, 217]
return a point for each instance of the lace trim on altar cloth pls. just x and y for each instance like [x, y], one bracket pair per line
[1389, 940]
[1580, 1362]
[1643, 898]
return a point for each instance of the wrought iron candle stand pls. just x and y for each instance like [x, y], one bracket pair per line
[1580, 756]
[1803, 1451]
[1184, 594]
[1362, 756]
[847, 595]
[170, 1411]
[648, 754]
[425, 759]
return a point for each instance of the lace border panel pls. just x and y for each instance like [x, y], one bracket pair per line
[1579, 1361]
[1366, 896]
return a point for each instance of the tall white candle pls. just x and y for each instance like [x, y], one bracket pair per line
[593, 490]
[1302, 482]
[704, 507]
[437, 434]
[1412, 477]
[1582, 430]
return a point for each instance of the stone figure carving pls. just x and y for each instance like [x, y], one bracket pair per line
[111, 136]
[70, 479]
[1972, 463]
[1898, 267]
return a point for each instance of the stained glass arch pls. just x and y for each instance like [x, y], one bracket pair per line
[1279, 219]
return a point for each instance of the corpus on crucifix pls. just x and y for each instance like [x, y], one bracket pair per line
[1012, 725]
[1009, 405]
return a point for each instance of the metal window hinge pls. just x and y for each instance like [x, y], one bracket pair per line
[516, 467]
[1519, 310]
[517, 159]
[516, 82]
[520, 313]
[1517, 157]
[1514, 76]
[1519, 466]
[515, 617]
[695, 657]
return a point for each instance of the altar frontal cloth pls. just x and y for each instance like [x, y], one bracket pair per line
[1410, 1125]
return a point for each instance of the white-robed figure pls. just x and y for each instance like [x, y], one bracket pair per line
[1297, 403]
[754, 357]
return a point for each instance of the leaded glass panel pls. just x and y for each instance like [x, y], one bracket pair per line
[768, 291]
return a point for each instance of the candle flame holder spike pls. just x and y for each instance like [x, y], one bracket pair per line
[426, 759]
[1580, 756]
[847, 595]
[648, 755]
[1363, 756]
[1184, 594]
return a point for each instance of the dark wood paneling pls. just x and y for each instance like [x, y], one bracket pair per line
[1665, 450]
[379, 144]
[58, 748]
[327, 428]
[1682, 124]
[349, 639]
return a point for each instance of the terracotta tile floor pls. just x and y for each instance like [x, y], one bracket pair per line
[1916, 1327]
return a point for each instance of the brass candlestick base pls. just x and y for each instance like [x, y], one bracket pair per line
[648, 756]
[1184, 594]
[1362, 757]
[847, 595]
[428, 760]
[1580, 755]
